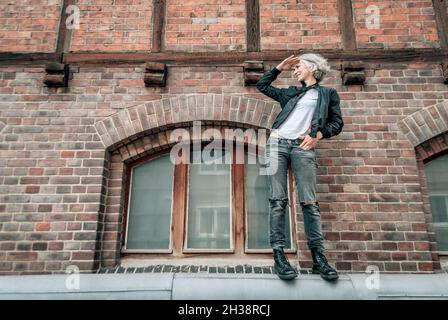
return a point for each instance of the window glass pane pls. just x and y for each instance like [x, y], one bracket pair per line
[441, 230]
[149, 220]
[439, 208]
[257, 206]
[437, 179]
[209, 203]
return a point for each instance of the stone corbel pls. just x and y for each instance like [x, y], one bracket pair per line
[155, 74]
[57, 74]
[444, 66]
[352, 73]
[253, 71]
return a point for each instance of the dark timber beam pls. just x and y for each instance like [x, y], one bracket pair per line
[158, 25]
[226, 58]
[35, 58]
[64, 34]
[346, 21]
[440, 10]
[253, 26]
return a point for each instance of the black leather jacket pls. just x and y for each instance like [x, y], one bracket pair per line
[327, 118]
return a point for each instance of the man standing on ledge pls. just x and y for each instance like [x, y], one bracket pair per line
[309, 113]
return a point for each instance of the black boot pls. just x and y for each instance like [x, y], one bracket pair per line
[282, 267]
[321, 266]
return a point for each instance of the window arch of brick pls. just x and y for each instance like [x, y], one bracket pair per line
[144, 130]
[427, 131]
[159, 115]
[425, 124]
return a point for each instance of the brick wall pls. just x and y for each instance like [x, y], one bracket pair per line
[220, 25]
[204, 25]
[29, 25]
[120, 25]
[296, 25]
[402, 24]
[61, 169]
[54, 167]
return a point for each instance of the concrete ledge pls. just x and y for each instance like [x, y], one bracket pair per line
[404, 286]
[259, 287]
[187, 286]
[91, 286]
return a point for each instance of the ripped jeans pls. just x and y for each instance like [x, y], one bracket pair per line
[279, 152]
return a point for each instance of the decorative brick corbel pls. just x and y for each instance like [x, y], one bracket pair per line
[155, 74]
[57, 74]
[253, 71]
[352, 73]
[444, 66]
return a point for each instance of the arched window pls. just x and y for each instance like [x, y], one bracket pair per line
[214, 205]
[437, 179]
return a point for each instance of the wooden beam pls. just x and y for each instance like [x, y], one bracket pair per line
[225, 58]
[158, 25]
[238, 202]
[155, 74]
[35, 58]
[353, 73]
[56, 74]
[64, 34]
[440, 10]
[253, 26]
[238, 58]
[346, 21]
[180, 190]
[253, 71]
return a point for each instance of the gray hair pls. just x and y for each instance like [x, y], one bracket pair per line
[317, 64]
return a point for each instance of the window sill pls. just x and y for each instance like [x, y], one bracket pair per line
[144, 260]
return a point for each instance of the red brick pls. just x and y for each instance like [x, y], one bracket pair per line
[399, 256]
[32, 189]
[42, 226]
[405, 246]
[356, 236]
[29, 28]
[55, 246]
[36, 171]
[425, 266]
[22, 256]
[390, 246]
[67, 154]
[45, 208]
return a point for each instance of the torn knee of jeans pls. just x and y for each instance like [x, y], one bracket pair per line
[308, 202]
[282, 201]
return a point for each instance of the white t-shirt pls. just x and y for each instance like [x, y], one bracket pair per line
[299, 120]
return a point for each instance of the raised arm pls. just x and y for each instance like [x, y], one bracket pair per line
[264, 84]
